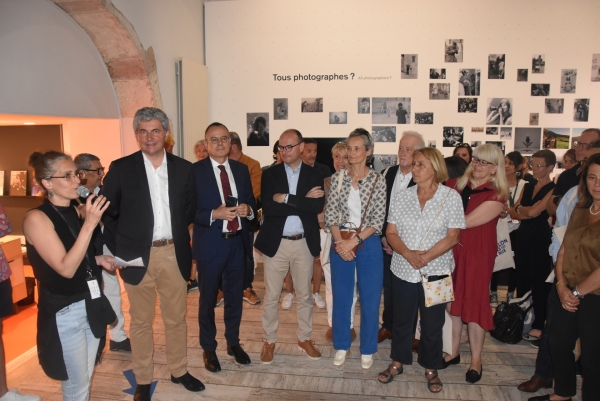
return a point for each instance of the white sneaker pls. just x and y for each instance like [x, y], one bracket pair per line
[13, 395]
[287, 301]
[340, 357]
[319, 301]
[366, 361]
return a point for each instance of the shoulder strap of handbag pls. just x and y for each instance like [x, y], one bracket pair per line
[368, 202]
[339, 190]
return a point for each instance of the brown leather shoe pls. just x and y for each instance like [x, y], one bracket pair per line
[534, 384]
[329, 335]
[353, 334]
[266, 354]
[220, 298]
[251, 297]
[383, 335]
[308, 346]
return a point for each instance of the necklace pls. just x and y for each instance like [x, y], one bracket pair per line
[593, 214]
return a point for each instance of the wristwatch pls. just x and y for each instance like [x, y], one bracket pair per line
[360, 240]
[577, 293]
[556, 200]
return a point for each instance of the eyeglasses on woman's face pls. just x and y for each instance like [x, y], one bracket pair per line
[67, 176]
[484, 163]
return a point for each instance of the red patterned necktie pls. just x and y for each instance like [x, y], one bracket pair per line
[232, 225]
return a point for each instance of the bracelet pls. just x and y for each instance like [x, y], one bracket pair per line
[517, 209]
[359, 239]
[559, 281]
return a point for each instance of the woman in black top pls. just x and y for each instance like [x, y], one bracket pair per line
[73, 312]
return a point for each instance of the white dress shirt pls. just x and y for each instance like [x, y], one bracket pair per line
[400, 182]
[158, 183]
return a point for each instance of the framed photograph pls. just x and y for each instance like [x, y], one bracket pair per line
[500, 144]
[424, 118]
[437, 73]
[36, 189]
[522, 74]
[469, 82]
[477, 129]
[409, 66]
[431, 144]
[506, 133]
[18, 183]
[439, 91]
[381, 162]
[474, 144]
[258, 129]
[596, 67]
[383, 133]
[554, 106]
[467, 105]
[556, 138]
[568, 81]
[311, 105]
[499, 111]
[391, 110]
[581, 109]
[338, 117]
[496, 66]
[280, 109]
[538, 63]
[453, 136]
[454, 50]
[528, 140]
[491, 130]
[364, 105]
[540, 89]
[534, 118]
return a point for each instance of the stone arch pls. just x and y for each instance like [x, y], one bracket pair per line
[131, 67]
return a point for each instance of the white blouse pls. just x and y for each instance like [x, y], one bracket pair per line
[412, 225]
[354, 207]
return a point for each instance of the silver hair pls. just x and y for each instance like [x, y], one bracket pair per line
[148, 114]
[83, 161]
[365, 135]
[420, 144]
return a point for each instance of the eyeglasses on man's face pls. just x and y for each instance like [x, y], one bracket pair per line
[287, 148]
[583, 145]
[537, 166]
[99, 171]
[484, 163]
[224, 139]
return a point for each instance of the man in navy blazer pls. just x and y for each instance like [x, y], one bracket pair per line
[221, 241]
[154, 195]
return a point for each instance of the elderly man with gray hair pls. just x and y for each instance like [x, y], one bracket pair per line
[397, 178]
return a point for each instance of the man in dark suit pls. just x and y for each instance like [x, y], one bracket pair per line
[225, 205]
[397, 178]
[154, 193]
[292, 196]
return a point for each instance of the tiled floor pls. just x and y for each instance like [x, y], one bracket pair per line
[292, 376]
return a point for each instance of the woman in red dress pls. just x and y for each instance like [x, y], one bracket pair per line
[484, 191]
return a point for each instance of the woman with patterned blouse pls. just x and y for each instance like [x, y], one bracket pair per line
[352, 191]
[424, 224]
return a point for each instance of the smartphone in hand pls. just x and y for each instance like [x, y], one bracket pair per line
[231, 201]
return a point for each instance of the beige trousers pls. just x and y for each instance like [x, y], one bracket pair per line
[162, 277]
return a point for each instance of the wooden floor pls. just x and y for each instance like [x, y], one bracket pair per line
[292, 376]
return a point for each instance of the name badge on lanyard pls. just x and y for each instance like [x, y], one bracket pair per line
[93, 286]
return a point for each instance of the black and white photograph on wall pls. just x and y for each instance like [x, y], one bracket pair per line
[506, 133]
[556, 138]
[280, 109]
[312, 105]
[439, 91]
[522, 74]
[491, 130]
[568, 81]
[581, 108]
[437, 73]
[453, 136]
[18, 183]
[364, 105]
[467, 105]
[390, 110]
[499, 111]
[258, 129]
[474, 144]
[432, 144]
[554, 106]
[409, 66]
[538, 63]
[500, 144]
[383, 133]
[469, 82]
[477, 129]
[381, 162]
[534, 118]
[338, 117]
[528, 140]
[423, 118]
[596, 67]
[496, 66]
[540, 89]
[454, 51]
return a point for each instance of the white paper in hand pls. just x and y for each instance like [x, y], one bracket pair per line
[137, 262]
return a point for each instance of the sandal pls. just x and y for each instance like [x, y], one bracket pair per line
[430, 381]
[390, 376]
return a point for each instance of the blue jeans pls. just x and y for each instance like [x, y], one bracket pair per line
[368, 265]
[79, 350]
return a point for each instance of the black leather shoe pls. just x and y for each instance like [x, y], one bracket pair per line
[542, 398]
[124, 345]
[211, 362]
[189, 382]
[241, 358]
[472, 375]
[142, 392]
[453, 361]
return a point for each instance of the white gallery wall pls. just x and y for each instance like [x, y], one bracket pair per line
[247, 42]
